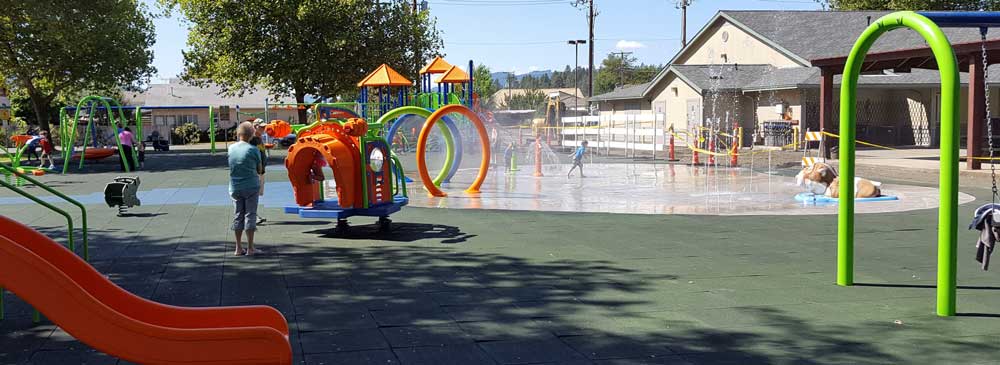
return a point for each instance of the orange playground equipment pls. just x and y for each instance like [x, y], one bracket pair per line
[368, 179]
[91, 308]
[425, 132]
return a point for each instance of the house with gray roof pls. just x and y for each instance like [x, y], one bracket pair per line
[177, 102]
[747, 68]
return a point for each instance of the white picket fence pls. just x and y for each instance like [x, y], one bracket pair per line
[622, 132]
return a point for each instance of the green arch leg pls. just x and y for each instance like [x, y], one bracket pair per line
[947, 213]
[449, 139]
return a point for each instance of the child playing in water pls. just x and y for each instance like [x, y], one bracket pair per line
[578, 159]
[508, 156]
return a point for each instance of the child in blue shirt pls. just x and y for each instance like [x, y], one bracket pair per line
[578, 159]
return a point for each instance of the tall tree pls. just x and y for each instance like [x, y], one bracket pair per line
[50, 48]
[301, 47]
[532, 99]
[971, 5]
[609, 76]
[484, 85]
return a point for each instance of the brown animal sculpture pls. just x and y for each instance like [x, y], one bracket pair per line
[820, 178]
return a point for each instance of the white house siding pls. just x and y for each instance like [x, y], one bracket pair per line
[676, 105]
[739, 47]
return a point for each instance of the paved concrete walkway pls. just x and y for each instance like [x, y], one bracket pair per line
[503, 287]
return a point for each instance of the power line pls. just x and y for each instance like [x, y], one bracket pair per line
[527, 42]
[497, 3]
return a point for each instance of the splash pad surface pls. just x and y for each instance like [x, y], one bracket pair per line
[656, 189]
[624, 188]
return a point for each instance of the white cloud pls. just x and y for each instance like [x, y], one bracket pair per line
[533, 68]
[623, 44]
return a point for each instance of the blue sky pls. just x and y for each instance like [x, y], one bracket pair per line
[526, 35]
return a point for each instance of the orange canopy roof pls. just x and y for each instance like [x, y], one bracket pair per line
[437, 66]
[454, 75]
[384, 76]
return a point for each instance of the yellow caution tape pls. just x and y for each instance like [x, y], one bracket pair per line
[858, 141]
[729, 151]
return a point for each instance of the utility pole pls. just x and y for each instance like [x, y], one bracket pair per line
[621, 68]
[591, 14]
[576, 75]
[683, 5]
[510, 84]
[416, 52]
[590, 69]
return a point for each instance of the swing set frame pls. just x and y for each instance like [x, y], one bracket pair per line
[927, 25]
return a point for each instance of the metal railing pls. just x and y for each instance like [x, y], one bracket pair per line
[69, 219]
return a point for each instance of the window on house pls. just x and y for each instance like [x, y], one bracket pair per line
[674, 90]
[184, 119]
[725, 58]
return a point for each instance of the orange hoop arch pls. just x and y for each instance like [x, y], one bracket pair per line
[484, 165]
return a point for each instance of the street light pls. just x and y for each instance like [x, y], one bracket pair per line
[576, 82]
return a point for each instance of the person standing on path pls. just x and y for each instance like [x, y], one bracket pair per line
[244, 186]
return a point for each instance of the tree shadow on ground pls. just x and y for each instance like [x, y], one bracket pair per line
[423, 299]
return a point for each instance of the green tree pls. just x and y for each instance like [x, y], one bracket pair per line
[484, 85]
[970, 5]
[643, 73]
[301, 47]
[532, 99]
[608, 76]
[545, 81]
[50, 49]
[616, 72]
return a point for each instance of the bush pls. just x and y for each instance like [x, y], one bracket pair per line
[14, 127]
[187, 133]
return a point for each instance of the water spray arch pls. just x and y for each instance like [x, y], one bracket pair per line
[484, 164]
[450, 132]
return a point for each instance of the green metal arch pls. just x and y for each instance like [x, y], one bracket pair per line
[70, 130]
[449, 139]
[947, 212]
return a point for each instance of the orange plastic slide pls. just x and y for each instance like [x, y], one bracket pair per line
[75, 296]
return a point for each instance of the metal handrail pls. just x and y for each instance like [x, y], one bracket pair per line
[400, 180]
[69, 220]
[83, 210]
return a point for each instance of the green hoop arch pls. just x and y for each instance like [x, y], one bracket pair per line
[947, 212]
[449, 139]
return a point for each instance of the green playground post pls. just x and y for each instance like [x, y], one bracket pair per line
[211, 128]
[363, 141]
[947, 213]
[138, 123]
